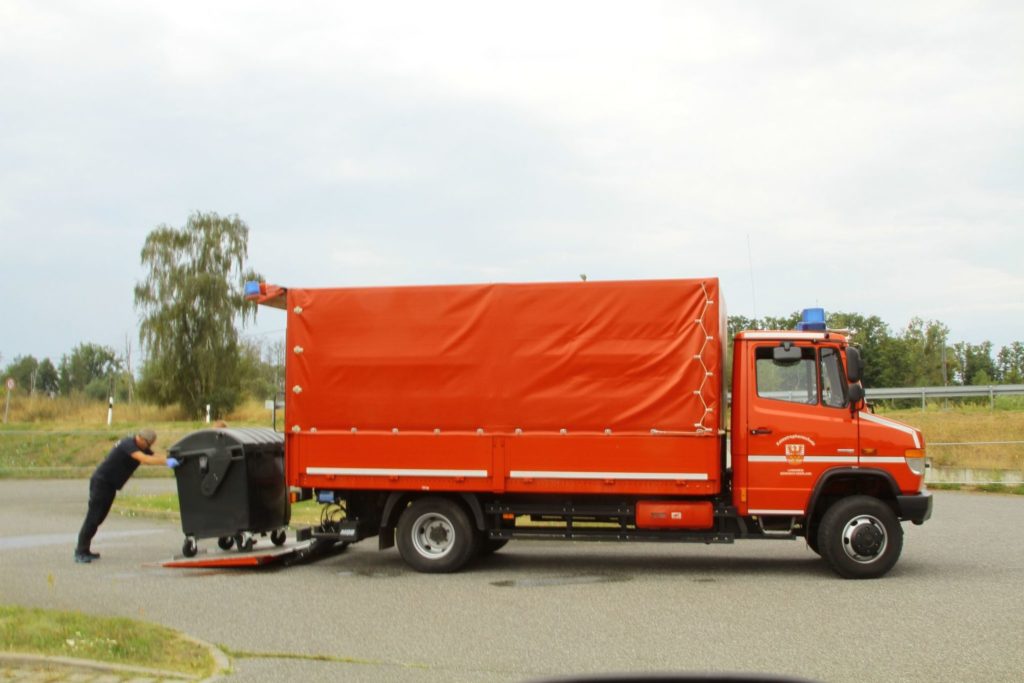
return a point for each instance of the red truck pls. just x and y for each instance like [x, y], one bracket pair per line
[451, 419]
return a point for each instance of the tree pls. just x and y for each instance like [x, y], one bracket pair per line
[47, 379]
[926, 350]
[87, 365]
[872, 336]
[974, 364]
[33, 376]
[1011, 363]
[190, 302]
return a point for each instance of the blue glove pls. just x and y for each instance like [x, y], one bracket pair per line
[173, 462]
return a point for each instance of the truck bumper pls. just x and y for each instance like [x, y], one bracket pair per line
[916, 508]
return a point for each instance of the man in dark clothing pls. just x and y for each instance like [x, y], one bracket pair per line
[108, 479]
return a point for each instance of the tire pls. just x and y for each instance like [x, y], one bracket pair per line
[435, 536]
[225, 542]
[860, 538]
[278, 536]
[189, 548]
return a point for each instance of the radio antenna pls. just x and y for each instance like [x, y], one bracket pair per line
[753, 290]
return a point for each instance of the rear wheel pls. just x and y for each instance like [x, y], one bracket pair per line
[435, 535]
[189, 548]
[860, 537]
[225, 542]
[278, 537]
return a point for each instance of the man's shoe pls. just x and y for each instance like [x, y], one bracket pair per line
[83, 558]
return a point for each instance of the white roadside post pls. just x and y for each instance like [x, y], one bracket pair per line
[207, 413]
[7, 401]
[110, 411]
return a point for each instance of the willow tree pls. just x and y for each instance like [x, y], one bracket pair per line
[191, 305]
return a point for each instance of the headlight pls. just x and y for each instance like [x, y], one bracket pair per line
[915, 460]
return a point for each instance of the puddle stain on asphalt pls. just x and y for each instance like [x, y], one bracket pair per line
[372, 572]
[573, 580]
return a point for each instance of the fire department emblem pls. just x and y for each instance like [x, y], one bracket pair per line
[794, 453]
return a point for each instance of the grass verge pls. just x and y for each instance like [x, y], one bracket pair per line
[106, 639]
[165, 506]
[1011, 489]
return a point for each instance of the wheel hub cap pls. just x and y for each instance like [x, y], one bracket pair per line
[433, 535]
[864, 539]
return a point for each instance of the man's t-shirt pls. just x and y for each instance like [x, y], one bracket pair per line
[119, 464]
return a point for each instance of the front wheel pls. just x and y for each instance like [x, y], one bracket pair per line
[435, 535]
[189, 548]
[278, 536]
[860, 537]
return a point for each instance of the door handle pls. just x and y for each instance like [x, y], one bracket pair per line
[760, 430]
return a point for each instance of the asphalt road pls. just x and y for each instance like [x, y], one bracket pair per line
[951, 610]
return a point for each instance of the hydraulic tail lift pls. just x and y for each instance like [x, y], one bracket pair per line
[307, 547]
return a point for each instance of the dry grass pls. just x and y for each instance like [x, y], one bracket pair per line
[72, 412]
[68, 436]
[966, 424]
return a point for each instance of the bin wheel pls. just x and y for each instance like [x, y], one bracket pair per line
[225, 542]
[189, 547]
[278, 536]
[244, 542]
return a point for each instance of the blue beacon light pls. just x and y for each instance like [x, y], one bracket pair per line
[812, 320]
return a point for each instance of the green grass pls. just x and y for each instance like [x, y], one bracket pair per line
[106, 639]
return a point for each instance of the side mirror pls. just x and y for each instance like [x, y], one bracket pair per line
[855, 392]
[854, 365]
[787, 353]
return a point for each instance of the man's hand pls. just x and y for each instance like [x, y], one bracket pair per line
[173, 462]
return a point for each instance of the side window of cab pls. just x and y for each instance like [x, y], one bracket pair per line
[795, 380]
[833, 380]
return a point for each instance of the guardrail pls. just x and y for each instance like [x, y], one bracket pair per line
[925, 393]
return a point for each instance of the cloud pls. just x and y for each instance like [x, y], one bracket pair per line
[871, 154]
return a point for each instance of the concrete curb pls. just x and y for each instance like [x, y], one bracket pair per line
[221, 663]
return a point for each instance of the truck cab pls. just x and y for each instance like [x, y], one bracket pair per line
[808, 456]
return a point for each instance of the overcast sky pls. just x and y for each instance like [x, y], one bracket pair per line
[870, 155]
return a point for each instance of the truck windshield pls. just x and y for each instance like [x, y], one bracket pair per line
[794, 381]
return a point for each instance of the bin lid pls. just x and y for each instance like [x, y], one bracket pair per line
[249, 438]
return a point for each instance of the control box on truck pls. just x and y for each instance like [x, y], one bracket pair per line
[449, 420]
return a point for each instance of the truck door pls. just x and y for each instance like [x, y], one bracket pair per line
[798, 425]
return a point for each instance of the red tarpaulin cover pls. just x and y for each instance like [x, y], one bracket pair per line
[581, 356]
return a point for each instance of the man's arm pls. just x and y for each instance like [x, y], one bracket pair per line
[147, 459]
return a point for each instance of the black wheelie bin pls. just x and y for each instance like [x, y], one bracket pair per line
[231, 486]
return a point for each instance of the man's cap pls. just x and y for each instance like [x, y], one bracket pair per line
[148, 435]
